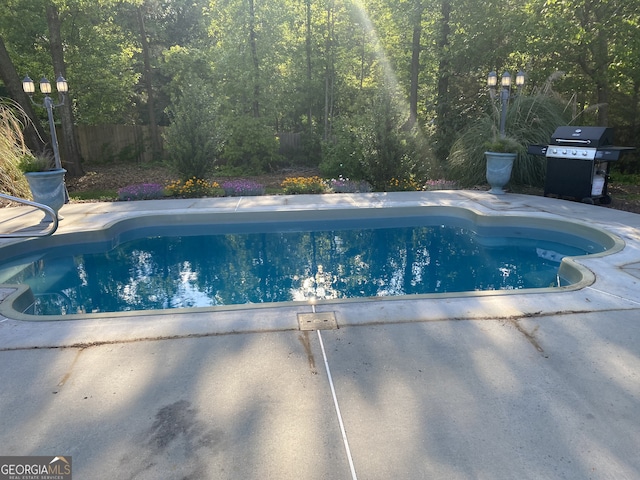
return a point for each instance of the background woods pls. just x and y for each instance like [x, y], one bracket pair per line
[374, 88]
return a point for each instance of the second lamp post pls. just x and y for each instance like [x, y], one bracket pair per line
[45, 87]
[505, 93]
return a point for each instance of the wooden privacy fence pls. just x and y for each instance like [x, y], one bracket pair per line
[132, 143]
[289, 141]
[108, 143]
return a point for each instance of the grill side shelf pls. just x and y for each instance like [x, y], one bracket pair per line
[537, 150]
[612, 153]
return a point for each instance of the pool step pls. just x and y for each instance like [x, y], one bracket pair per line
[317, 321]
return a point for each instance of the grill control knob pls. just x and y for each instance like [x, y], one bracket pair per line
[574, 152]
[584, 153]
[564, 152]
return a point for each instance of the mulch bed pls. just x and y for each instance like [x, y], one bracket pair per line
[115, 176]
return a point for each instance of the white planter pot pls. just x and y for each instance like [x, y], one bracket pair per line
[499, 166]
[48, 188]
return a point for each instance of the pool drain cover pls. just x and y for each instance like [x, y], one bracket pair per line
[317, 321]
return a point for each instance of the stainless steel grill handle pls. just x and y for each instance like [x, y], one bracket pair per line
[573, 140]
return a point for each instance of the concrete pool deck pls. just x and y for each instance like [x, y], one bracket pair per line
[485, 386]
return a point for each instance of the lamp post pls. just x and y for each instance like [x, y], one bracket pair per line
[45, 87]
[505, 93]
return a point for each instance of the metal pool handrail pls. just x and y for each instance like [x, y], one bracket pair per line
[46, 209]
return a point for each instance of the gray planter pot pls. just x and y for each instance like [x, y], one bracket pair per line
[48, 189]
[499, 166]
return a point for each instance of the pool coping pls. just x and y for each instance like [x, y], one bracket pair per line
[612, 288]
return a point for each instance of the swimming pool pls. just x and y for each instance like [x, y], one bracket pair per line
[240, 274]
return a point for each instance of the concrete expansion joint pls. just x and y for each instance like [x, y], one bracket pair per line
[617, 297]
[100, 343]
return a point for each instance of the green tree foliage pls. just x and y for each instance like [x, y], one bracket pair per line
[98, 52]
[319, 67]
[594, 36]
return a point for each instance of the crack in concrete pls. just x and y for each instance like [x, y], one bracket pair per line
[530, 336]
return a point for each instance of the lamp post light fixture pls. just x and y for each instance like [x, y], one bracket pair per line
[45, 87]
[505, 93]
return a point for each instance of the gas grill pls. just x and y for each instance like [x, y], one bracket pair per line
[578, 161]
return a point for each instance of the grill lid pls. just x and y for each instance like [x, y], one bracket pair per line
[593, 137]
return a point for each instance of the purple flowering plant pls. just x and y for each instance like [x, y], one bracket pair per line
[441, 184]
[143, 191]
[242, 188]
[344, 185]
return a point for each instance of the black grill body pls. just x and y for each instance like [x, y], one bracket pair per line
[578, 160]
[578, 180]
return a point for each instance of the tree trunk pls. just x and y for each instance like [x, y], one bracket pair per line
[602, 81]
[148, 83]
[603, 101]
[635, 102]
[329, 73]
[69, 145]
[309, 71]
[442, 103]
[418, 9]
[363, 52]
[594, 58]
[34, 134]
[254, 57]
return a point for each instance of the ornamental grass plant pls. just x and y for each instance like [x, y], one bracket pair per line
[12, 149]
[530, 120]
[29, 163]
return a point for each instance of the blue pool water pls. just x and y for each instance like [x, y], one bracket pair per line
[150, 269]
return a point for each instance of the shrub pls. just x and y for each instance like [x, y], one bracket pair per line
[193, 188]
[392, 150]
[384, 153]
[377, 147]
[242, 188]
[191, 140]
[250, 146]
[143, 191]
[301, 185]
[343, 155]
